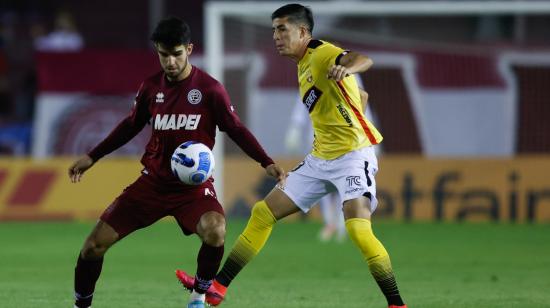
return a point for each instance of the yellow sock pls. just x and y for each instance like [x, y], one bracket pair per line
[249, 243]
[377, 257]
[259, 227]
[360, 231]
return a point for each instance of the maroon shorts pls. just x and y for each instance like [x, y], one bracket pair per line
[146, 201]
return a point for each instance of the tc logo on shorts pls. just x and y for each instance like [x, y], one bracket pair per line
[354, 182]
[194, 96]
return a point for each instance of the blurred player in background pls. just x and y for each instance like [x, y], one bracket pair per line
[181, 103]
[342, 158]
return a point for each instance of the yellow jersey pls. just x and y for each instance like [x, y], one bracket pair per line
[339, 124]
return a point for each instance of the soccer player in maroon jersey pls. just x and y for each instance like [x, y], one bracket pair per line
[181, 103]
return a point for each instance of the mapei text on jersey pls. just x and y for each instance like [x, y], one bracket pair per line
[177, 121]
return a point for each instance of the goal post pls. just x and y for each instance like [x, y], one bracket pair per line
[216, 11]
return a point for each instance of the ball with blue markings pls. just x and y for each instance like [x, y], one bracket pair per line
[192, 163]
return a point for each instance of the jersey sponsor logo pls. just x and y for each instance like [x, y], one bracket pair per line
[159, 98]
[345, 114]
[177, 121]
[194, 96]
[311, 97]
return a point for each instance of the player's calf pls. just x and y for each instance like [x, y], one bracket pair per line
[377, 258]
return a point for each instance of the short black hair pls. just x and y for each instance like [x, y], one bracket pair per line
[171, 32]
[296, 13]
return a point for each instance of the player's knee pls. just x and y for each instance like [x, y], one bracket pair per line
[215, 236]
[93, 250]
[211, 228]
[261, 212]
[357, 208]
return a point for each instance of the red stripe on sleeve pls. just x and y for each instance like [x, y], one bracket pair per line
[369, 134]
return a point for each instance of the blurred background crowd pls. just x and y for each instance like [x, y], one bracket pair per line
[29, 28]
[469, 86]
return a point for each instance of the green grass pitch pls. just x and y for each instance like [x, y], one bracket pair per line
[437, 265]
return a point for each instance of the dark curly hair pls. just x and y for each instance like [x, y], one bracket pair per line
[171, 32]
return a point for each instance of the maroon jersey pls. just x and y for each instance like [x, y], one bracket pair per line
[180, 111]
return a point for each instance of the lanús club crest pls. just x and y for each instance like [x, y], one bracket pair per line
[194, 96]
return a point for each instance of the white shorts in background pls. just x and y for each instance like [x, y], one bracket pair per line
[351, 174]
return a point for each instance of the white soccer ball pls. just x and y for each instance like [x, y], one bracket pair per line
[193, 163]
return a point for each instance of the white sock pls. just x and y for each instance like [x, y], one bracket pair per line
[195, 296]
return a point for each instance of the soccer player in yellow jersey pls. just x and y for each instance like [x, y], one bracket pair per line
[342, 158]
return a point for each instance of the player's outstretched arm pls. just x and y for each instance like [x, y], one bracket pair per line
[350, 63]
[79, 167]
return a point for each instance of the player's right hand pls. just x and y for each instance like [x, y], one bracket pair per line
[79, 167]
[337, 72]
[277, 172]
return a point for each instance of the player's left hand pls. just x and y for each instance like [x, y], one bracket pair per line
[337, 72]
[79, 167]
[277, 172]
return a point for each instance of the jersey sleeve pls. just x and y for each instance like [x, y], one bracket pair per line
[330, 54]
[127, 129]
[228, 121]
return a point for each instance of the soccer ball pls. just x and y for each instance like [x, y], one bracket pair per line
[192, 162]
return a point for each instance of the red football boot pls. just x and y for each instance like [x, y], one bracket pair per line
[214, 295]
[395, 306]
[186, 280]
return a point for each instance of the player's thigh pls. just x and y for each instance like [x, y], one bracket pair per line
[354, 178]
[280, 204]
[139, 206]
[300, 192]
[199, 210]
